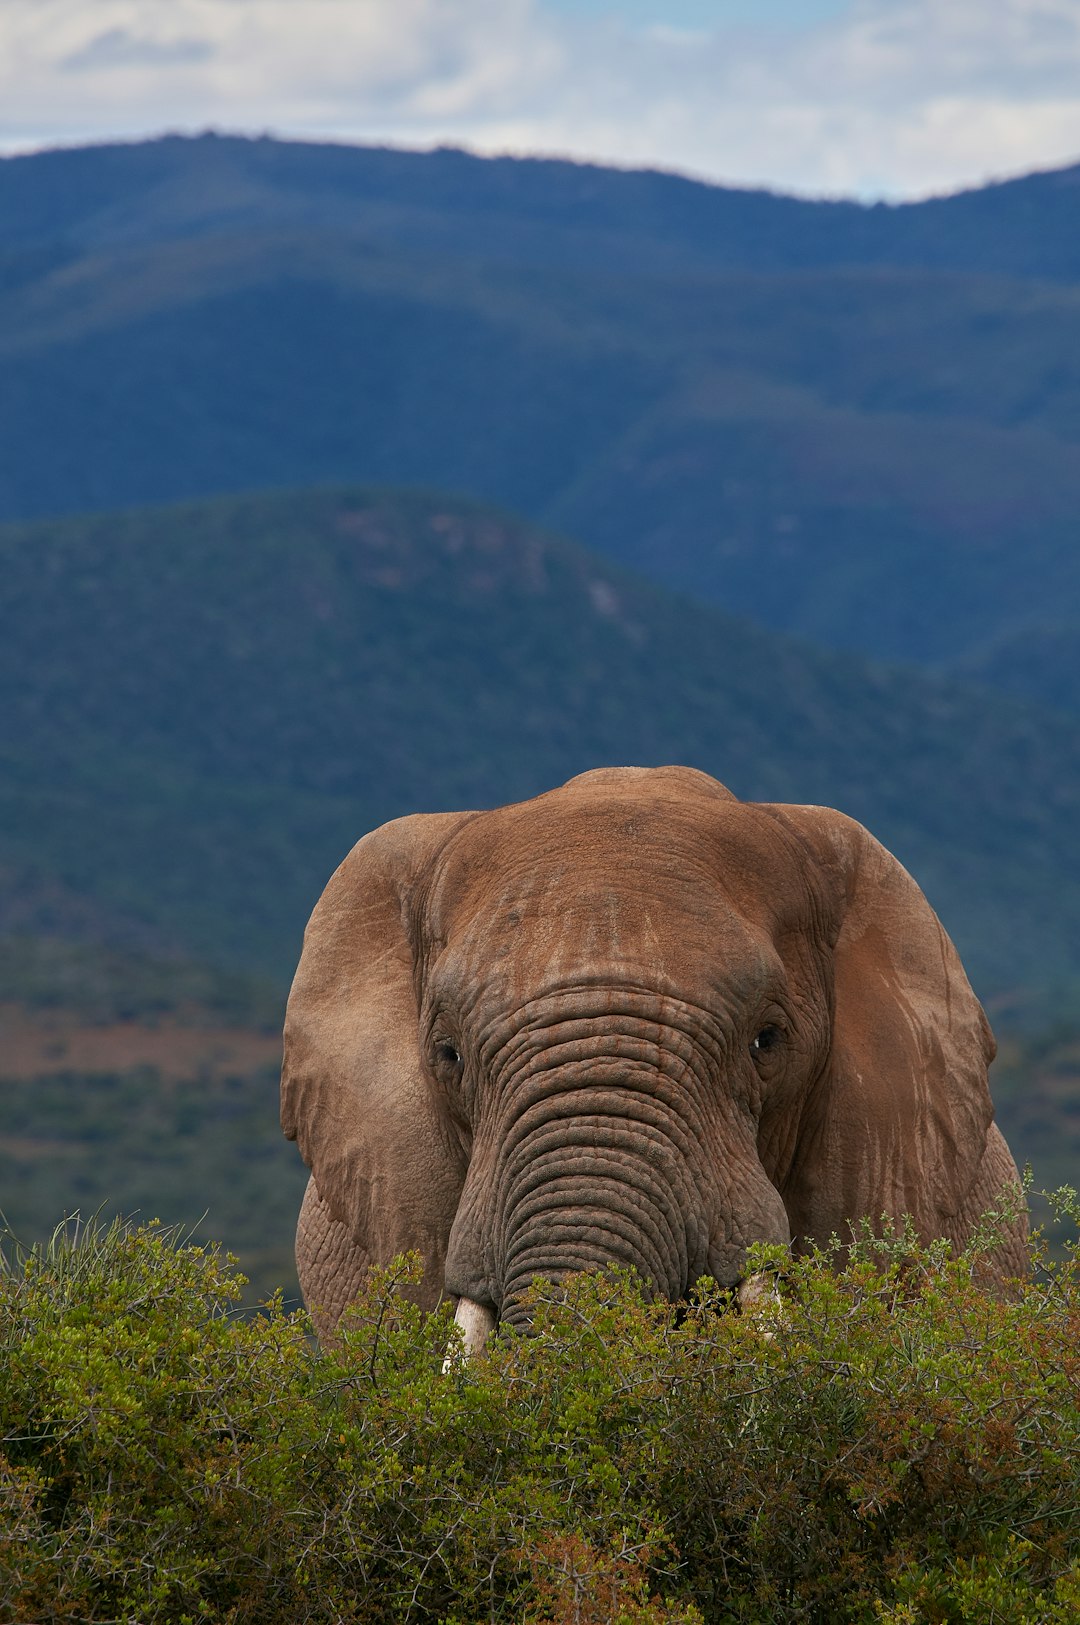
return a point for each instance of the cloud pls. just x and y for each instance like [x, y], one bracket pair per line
[116, 47]
[894, 97]
[78, 69]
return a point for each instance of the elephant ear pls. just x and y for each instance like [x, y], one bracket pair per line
[901, 1120]
[355, 1092]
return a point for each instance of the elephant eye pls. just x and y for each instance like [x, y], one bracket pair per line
[447, 1054]
[766, 1040]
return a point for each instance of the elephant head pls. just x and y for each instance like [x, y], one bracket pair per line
[633, 1021]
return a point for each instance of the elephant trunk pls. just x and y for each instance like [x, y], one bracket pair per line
[600, 1165]
[609, 1146]
[594, 1211]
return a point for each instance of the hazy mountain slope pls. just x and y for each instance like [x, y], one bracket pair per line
[1040, 663]
[846, 423]
[203, 707]
[215, 367]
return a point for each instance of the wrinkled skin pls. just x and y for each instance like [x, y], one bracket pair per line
[634, 1020]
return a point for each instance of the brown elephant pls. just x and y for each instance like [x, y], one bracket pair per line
[634, 1020]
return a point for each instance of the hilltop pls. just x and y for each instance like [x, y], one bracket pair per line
[205, 705]
[855, 424]
[564, 213]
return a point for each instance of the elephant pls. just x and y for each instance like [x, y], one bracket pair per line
[633, 1021]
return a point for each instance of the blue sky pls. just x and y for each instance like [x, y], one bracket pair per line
[865, 98]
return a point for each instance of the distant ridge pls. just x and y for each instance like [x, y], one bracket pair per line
[1023, 226]
[860, 425]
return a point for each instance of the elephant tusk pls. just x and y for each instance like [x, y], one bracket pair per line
[477, 1325]
[757, 1291]
[758, 1295]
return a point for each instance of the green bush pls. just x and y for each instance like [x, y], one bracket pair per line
[889, 1444]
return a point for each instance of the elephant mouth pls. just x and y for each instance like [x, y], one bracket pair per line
[755, 1295]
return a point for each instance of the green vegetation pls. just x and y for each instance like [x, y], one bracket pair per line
[892, 1446]
[205, 1152]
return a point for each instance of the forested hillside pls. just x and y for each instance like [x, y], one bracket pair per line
[856, 424]
[206, 706]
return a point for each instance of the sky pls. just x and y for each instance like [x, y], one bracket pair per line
[865, 98]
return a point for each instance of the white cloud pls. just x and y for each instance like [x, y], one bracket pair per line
[894, 96]
[116, 47]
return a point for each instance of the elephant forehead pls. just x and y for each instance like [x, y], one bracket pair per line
[645, 855]
[554, 896]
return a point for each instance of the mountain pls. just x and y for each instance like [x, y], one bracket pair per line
[1039, 663]
[854, 424]
[527, 211]
[204, 706]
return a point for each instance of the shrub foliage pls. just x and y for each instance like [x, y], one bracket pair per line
[889, 1444]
